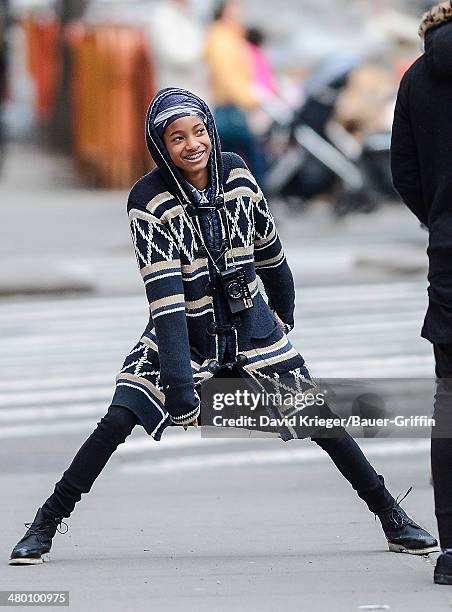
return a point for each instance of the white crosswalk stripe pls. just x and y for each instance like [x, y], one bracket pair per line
[59, 357]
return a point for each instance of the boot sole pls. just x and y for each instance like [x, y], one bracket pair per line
[45, 558]
[443, 579]
[398, 548]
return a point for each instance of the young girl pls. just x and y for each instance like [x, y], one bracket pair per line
[201, 230]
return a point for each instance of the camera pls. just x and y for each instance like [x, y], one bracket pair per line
[236, 290]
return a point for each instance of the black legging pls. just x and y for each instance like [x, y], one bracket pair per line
[441, 449]
[90, 460]
[119, 422]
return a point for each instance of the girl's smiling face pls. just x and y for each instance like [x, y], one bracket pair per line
[189, 147]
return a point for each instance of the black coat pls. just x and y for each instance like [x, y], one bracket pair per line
[422, 167]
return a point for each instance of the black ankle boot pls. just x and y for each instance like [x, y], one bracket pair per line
[443, 569]
[34, 547]
[403, 534]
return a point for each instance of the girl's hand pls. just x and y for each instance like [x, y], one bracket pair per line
[285, 327]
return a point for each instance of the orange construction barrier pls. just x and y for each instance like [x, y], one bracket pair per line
[111, 86]
[42, 37]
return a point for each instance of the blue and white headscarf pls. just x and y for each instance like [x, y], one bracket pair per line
[167, 106]
[174, 107]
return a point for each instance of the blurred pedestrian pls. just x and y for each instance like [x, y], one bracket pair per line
[260, 119]
[232, 83]
[202, 230]
[4, 24]
[262, 71]
[176, 39]
[421, 167]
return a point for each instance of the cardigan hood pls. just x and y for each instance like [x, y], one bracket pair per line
[171, 175]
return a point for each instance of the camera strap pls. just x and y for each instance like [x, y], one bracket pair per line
[192, 213]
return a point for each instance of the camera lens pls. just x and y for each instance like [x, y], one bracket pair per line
[235, 291]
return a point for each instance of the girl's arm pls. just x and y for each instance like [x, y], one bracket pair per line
[271, 264]
[158, 259]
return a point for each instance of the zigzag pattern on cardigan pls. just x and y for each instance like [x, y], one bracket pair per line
[174, 351]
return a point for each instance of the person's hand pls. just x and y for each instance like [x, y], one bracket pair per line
[183, 405]
[285, 327]
[192, 424]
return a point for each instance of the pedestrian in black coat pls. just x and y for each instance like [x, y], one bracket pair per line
[422, 174]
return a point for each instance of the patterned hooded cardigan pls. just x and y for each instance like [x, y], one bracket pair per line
[162, 375]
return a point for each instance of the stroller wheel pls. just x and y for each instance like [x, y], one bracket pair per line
[296, 203]
[348, 202]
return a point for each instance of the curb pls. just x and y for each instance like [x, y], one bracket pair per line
[7, 291]
[406, 263]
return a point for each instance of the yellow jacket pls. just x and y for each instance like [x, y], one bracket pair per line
[230, 67]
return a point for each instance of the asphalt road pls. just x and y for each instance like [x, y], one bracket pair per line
[195, 524]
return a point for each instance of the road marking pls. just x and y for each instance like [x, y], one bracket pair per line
[262, 457]
[66, 307]
[51, 429]
[44, 397]
[90, 379]
[49, 412]
[186, 439]
[67, 351]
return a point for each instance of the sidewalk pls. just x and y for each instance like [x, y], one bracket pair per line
[64, 238]
[56, 225]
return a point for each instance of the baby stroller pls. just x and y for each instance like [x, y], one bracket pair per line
[312, 155]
